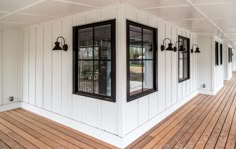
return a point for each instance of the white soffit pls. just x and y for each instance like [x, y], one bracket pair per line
[203, 16]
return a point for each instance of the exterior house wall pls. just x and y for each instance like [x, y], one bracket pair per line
[47, 78]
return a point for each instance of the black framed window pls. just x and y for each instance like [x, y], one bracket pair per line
[184, 59]
[221, 54]
[230, 54]
[216, 53]
[141, 60]
[94, 60]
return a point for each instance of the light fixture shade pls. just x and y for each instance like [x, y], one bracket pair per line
[170, 48]
[162, 47]
[57, 46]
[197, 50]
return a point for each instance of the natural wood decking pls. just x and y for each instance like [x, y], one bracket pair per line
[204, 122]
[22, 129]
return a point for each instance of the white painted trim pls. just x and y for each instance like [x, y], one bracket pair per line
[135, 134]
[84, 128]
[10, 106]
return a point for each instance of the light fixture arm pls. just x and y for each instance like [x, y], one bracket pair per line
[177, 42]
[62, 39]
[165, 40]
[194, 45]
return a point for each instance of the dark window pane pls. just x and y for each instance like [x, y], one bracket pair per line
[136, 73]
[102, 78]
[85, 43]
[85, 76]
[135, 47]
[147, 44]
[102, 45]
[185, 68]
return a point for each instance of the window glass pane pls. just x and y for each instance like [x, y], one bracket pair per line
[147, 44]
[85, 78]
[102, 78]
[85, 43]
[185, 69]
[102, 42]
[136, 68]
[135, 47]
[181, 69]
[147, 75]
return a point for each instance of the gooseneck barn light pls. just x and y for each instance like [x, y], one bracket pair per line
[57, 44]
[169, 48]
[181, 47]
[197, 49]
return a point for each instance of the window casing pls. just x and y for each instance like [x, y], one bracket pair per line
[94, 67]
[184, 59]
[221, 54]
[216, 53]
[141, 60]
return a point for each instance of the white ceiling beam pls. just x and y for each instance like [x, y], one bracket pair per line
[21, 9]
[208, 18]
[75, 3]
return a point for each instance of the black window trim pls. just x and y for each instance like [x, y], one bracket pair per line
[216, 53]
[230, 54]
[111, 98]
[182, 80]
[221, 54]
[155, 66]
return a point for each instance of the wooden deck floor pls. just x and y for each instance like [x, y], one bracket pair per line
[204, 122]
[22, 129]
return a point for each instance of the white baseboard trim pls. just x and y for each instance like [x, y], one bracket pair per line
[84, 128]
[10, 106]
[135, 134]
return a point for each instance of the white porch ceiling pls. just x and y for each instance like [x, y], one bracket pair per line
[202, 16]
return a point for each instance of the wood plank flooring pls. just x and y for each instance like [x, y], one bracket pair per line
[20, 129]
[204, 122]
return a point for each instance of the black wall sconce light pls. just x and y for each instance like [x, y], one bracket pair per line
[57, 44]
[169, 48]
[181, 47]
[197, 49]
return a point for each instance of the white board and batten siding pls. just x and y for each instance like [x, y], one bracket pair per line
[47, 81]
[47, 75]
[140, 111]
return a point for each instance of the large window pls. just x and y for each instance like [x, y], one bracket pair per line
[216, 53]
[141, 60]
[221, 54]
[230, 55]
[94, 60]
[184, 59]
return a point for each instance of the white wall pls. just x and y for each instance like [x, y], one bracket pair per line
[234, 60]
[47, 81]
[205, 64]
[10, 64]
[140, 113]
[208, 73]
[47, 75]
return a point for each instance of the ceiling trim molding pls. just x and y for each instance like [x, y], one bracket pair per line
[75, 3]
[21, 9]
